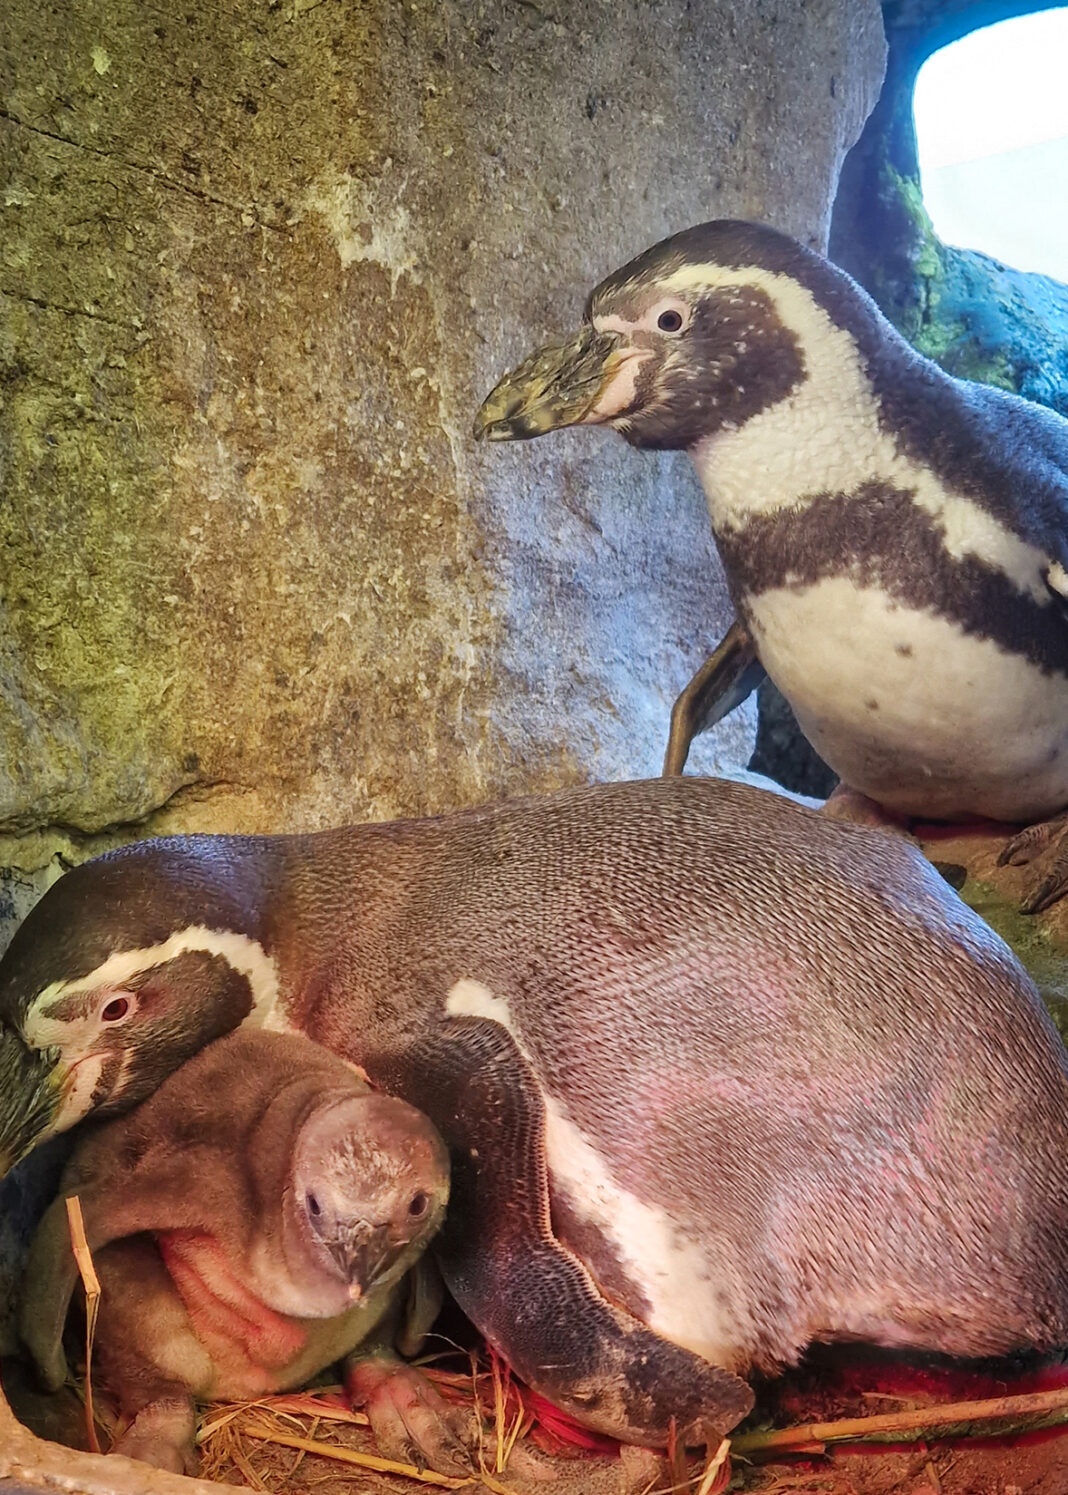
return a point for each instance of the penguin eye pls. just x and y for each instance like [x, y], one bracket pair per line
[115, 1009]
[418, 1205]
[669, 321]
[315, 1209]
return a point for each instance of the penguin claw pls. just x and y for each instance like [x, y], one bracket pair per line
[1029, 844]
[410, 1422]
[1050, 890]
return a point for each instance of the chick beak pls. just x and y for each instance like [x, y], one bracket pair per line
[559, 385]
[364, 1254]
[31, 1091]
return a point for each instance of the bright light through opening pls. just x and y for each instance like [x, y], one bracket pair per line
[992, 127]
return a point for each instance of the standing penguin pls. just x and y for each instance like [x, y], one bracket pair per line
[895, 540]
[717, 1076]
[252, 1221]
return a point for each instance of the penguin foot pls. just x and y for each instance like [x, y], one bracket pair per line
[1029, 844]
[850, 805]
[857, 809]
[410, 1421]
[162, 1434]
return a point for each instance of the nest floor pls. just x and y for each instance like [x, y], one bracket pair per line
[310, 1444]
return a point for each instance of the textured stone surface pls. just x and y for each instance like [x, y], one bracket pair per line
[259, 265]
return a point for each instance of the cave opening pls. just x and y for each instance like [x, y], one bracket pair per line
[991, 118]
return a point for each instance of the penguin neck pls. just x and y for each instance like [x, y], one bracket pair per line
[833, 437]
[827, 436]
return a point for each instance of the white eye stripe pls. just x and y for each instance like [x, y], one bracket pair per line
[649, 321]
[245, 955]
[615, 323]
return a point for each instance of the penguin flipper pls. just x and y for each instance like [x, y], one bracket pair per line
[724, 681]
[151, 1197]
[51, 1273]
[426, 1294]
[532, 1298]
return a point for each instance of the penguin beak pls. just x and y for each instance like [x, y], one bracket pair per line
[31, 1094]
[365, 1254]
[559, 385]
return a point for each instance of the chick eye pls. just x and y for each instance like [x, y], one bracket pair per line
[418, 1205]
[669, 321]
[115, 1010]
[314, 1207]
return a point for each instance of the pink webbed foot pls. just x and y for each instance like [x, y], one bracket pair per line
[410, 1421]
[850, 805]
[1032, 842]
[162, 1434]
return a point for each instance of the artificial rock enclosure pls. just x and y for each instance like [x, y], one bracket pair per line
[260, 263]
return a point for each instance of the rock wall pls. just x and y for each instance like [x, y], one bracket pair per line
[260, 263]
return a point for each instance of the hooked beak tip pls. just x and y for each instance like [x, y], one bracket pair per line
[500, 417]
[493, 430]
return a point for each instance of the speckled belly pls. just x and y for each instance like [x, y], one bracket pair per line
[911, 710]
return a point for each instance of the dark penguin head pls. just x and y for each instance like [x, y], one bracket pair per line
[126, 967]
[368, 1188]
[695, 336]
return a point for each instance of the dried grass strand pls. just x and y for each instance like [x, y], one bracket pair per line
[240, 1458]
[498, 1412]
[717, 1470]
[352, 1456]
[908, 1426]
[91, 1283]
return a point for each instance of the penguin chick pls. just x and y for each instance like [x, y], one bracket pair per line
[252, 1222]
[895, 540]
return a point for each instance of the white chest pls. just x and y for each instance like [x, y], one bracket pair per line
[907, 707]
[904, 703]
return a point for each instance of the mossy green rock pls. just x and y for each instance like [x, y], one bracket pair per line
[260, 264]
[1040, 941]
[1040, 947]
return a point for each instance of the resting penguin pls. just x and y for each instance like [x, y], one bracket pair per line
[895, 540]
[718, 1076]
[252, 1221]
